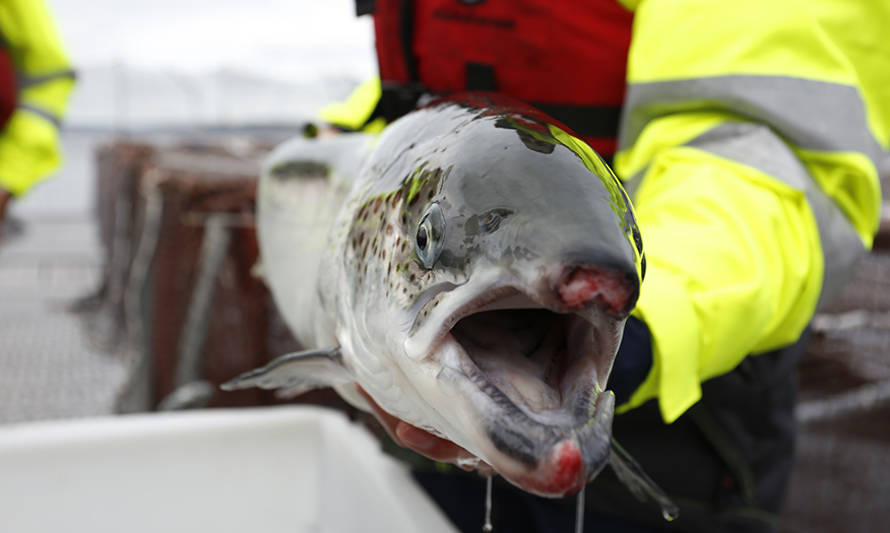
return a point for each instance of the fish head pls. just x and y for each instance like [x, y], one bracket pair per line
[505, 263]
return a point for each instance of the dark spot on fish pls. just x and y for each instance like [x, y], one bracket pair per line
[396, 197]
[431, 194]
[389, 229]
[377, 203]
[299, 169]
[412, 277]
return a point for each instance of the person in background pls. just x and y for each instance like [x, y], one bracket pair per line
[35, 80]
[749, 134]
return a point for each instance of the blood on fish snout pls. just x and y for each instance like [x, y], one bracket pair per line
[583, 285]
[560, 474]
[568, 467]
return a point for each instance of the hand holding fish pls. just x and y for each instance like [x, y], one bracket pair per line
[425, 443]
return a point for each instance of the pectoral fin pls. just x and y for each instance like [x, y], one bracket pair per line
[296, 373]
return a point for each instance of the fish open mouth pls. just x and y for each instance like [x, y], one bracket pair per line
[538, 374]
[536, 357]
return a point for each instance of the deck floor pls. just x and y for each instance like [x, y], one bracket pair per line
[50, 367]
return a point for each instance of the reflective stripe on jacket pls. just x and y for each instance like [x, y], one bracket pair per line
[750, 141]
[29, 143]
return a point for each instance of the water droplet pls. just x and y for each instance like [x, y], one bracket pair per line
[579, 511]
[669, 513]
[468, 462]
[487, 527]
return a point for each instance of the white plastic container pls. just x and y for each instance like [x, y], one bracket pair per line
[294, 470]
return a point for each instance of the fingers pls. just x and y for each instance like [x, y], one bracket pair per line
[424, 442]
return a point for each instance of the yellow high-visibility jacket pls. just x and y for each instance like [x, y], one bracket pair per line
[750, 142]
[29, 144]
[354, 114]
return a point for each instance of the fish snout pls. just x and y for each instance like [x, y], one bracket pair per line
[565, 459]
[561, 473]
[565, 467]
[580, 286]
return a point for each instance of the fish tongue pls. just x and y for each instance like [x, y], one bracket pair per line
[536, 394]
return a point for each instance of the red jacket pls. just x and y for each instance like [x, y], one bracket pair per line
[8, 91]
[566, 58]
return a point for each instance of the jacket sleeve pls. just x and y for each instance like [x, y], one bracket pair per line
[359, 111]
[29, 144]
[750, 143]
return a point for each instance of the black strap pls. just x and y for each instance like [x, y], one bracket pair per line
[480, 77]
[588, 121]
[364, 7]
[398, 99]
[406, 30]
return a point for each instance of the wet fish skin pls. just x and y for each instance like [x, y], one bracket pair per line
[459, 211]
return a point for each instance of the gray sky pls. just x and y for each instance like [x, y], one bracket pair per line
[285, 39]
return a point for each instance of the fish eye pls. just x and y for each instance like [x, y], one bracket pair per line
[422, 238]
[430, 236]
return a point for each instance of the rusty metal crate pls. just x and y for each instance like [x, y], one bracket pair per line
[177, 224]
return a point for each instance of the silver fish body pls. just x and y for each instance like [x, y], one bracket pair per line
[475, 265]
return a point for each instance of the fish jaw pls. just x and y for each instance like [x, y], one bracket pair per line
[553, 459]
[569, 466]
[545, 427]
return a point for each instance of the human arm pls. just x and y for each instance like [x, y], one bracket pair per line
[750, 141]
[29, 144]
[423, 442]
